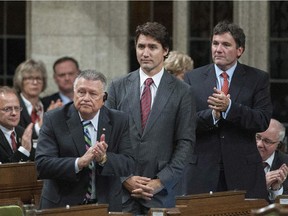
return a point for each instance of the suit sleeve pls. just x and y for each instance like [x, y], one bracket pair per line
[50, 164]
[120, 159]
[111, 99]
[255, 116]
[184, 141]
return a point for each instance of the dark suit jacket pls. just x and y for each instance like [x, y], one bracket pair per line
[61, 141]
[163, 148]
[25, 118]
[231, 140]
[47, 100]
[279, 159]
[6, 153]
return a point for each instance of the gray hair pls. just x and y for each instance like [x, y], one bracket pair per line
[91, 75]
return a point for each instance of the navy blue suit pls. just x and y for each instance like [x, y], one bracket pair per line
[231, 142]
[6, 153]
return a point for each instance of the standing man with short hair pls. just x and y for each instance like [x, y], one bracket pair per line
[275, 162]
[65, 70]
[233, 103]
[84, 148]
[161, 111]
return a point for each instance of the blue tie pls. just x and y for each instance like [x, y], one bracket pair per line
[88, 144]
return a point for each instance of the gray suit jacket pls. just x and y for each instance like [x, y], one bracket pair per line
[61, 141]
[163, 148]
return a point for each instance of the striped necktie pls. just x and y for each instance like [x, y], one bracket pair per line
[146, 100]
[88, 144]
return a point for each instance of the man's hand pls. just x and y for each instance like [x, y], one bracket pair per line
[156, 185]
[100, 149]
[27, 137]
[218, 101]
[55, 104]
[86, 159]
[275, 178]
[138, 187]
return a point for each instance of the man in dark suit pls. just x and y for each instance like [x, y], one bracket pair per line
[232, 104]
[78, 170]
[65, 70]
[15, 143]
[276, 162]
[163, 137]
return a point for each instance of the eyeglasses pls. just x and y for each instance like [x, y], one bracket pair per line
[92, 95]
[10, 109]
[265, 141]
[32, 79]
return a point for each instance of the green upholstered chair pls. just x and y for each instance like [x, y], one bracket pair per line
[11, 210]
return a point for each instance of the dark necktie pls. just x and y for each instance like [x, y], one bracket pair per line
[265, 166]
[225, 86]
[88, 144]
[146, 102]
[13, 141]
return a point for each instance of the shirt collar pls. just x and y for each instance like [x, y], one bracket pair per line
[29, 105]
[156, 78]
[6, 131]
[64, 98]
[230, 71]
[94, 120]
[270, 160]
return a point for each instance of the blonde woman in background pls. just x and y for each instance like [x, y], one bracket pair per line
[178, 63]
[29, 81]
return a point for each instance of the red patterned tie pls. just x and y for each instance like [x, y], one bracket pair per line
[225, 86]
[34, 116]
[146, 102]
[13, 141]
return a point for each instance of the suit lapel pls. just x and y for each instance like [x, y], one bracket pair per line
[165, 89]
[104, 126]
[76, 130]
[276, 162]
[210, 80]
[5, 143]
[237, 82]
[133, 95]
[24, 113]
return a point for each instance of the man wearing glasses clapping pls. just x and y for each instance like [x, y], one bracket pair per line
[275, 162]
[15, 142]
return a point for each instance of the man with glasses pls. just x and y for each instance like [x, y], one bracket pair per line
[15, 142]
[275, 162]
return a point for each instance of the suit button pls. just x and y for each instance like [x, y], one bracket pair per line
[222, 136]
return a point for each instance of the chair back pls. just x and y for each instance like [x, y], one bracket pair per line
[11, 210]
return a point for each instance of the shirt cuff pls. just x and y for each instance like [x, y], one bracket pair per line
[24, 151]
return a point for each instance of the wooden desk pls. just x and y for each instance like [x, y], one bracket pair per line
[81, 210]
[219, 203]
[19, 180]
[164, 212]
